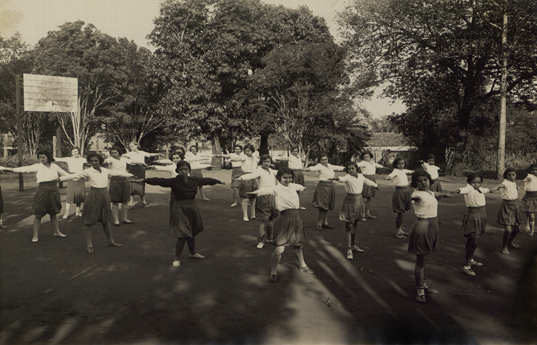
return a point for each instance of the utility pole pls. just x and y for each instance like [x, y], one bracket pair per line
[19, 135]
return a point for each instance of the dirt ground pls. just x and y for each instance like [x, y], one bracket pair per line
[54, 292]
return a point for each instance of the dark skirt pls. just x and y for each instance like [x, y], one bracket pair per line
[288, 230]
[47, 200]
[235, 173]
[401, 199]
[137, 188]
[196, 173]
[352, 208]
[1, 201]
[298, 177]
[120, 189]
[436, 187]
[265, 208]
[529, 202]
[76, 191]
[247, 186]
[474, 222]
[369, 191]
[509, 213]
[325, 196]
[97, 207]
[185, 219]
[423, 236]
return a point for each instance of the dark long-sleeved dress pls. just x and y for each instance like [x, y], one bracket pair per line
[185, 217]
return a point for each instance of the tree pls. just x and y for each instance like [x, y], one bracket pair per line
[444, 55]
[96, 60]
[206, 51]
[300, 96]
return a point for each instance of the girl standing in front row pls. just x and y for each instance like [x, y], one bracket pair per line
[475, 218]
[509, 214]
[97, 204]
[265, 210]
[529, 200]
[401, 196]
[423, 238]
[47, 197]
[324, 198]
[185, 218]
[351, 210]
[288, 229]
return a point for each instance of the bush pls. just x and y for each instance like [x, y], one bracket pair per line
[13, 161]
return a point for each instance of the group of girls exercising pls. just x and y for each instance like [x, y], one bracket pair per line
[274, 195]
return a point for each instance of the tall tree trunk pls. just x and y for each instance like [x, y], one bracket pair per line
[263, 145]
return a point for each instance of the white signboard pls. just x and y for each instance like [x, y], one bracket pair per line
[51, 94]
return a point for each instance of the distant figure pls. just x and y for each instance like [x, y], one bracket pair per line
[369, 170]
[76, 189]
[194, 158]
[138, 168]
[401, 196]
[529, 200]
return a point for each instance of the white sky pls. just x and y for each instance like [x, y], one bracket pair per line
[133, 19]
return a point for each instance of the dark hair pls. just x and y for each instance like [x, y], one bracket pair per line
[507, 171]
[47, 153]
[352, 164]
[295, 148]
[93, 154]
[194, 147]
[264, 158]
[178, 153]
[473, 176]
[239, 146]
[396, 161]
[115, 148]
[531, 167]
[430, 156]
[249, 147]
[418, 173]
[322, 154]
[75, 148]
[181, 164]
[366, 153]
[284, 170]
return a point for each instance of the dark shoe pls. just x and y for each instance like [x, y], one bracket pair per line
[273, 278]
[128, 222]
[305, 269]
[326, 226]
[114, 244]
[117, 224]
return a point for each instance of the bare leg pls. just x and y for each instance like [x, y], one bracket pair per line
[320, 217]
[244, 206]
[115, 215]
[471, 246]
[236, 197]
[78, 211]
[261, 233]
[125, 209]
[270, 231]
[506, 236]
[108, 233]
[299, 254]
[325, 217]
[419, 269]
[275, 259]
[252, 207]
[36, 226]
[54, 221]
[67, 207]
[399, 221]
[203, 195]
[88, 237]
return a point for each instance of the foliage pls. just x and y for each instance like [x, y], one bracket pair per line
[206, 51]
[442, 57]
[299, 95]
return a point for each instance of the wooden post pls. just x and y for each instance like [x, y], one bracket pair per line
[58, 147]
[6, 136]
[19, 135]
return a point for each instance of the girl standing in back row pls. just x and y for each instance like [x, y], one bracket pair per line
[369, 170]
[529, 200]
[324, 198]
[401, 196]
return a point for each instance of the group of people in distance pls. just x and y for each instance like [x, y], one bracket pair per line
[272, 197]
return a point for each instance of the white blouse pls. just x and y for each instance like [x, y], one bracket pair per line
[97, 179]
[294, 163]
[137, 157]
[530, 183]
[399, 177]
[118, 164]
[43, 173]
[369, 168]
[427, 207]
[264, 178]
[355, 185]
[286, 197]
[509, 192]
[75, 164]
[169, 168]
[326, 172]
[431, 170]
[195, 160]
[474, 197]
[250, 164]
[236, 160]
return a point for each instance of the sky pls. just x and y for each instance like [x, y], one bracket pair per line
[133, 19]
